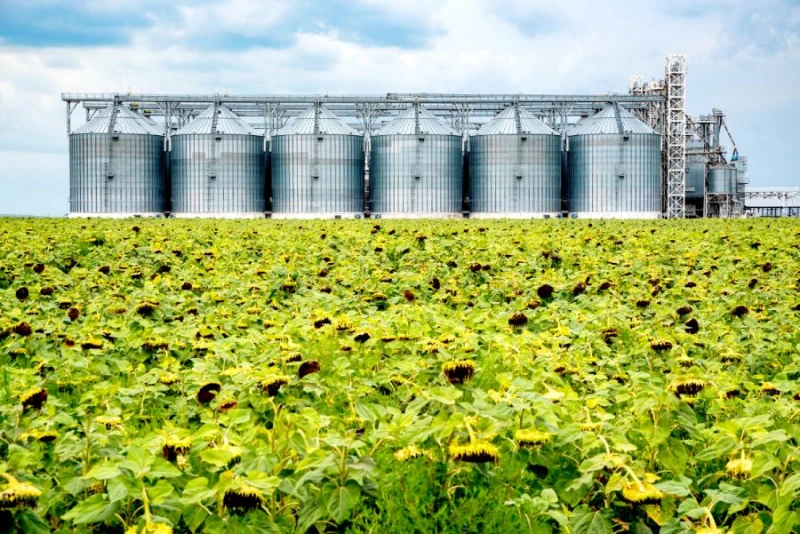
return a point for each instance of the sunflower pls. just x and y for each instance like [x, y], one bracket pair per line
[168, 379]
[207, 392]
[18, 494]
[146, 309]
[33, 397]
[410, 453]
[227, 404]
[518, 320]
[768, 388]
[459, 372]
[109, 422]
[545, 291]
[242, 499]
[23, 329]
[92, 343]
[532, 437]
[739, 468]
[637, 492]
[174, 446]
[477, 452]
[660, 345]
[688, 386]
[273, 383]
[308, 367]
[685, 361]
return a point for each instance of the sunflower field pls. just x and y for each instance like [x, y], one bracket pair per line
[399, 376]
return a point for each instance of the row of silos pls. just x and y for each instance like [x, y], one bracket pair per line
[217, 167]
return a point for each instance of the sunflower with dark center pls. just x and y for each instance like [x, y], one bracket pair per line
[227, 404]
[92, 343]
[545, 291]
[17, 494]
[319, 323]
[688, 387]
[362, 337]
[272, 384]
[168, 379]
[477, 452]
[293, 357]
[208, 392]
[73, 314]
[739, 311]
[685, 361]
[104, 269]
[408, 295]
[22, 294]
[692, 326]
[33, 397]
[46, 291]
[661, 345]
[459, 372]
[23, 329]
[532, 438]
[242, 499]
[641, 493]
[768, 388]
[620, 379]
[642, 303]
[732, 393]
[45, 436]
[174, 446]
[307, 368]
[146, 309]
[518, 320]
[109, 421]
[187, 286]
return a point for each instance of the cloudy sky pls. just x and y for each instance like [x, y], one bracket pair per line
[744, 58]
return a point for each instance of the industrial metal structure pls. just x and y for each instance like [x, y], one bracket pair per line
[614, 167]
[116, 166]
[406, 169]
[416, 167]
[317, 167]
[773, 202]
[515, 167]
[217, 167]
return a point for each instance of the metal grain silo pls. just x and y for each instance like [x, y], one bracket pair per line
[515, 167]
[317, 168]
[695, 169]
[416, 167]
[614, 167]
[722, 179]
[217, 167]
[116, 166]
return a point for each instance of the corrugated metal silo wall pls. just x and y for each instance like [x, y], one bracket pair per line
[722, 180]
[595, 164]
[332, 181]
[135, 164]
[695, 172]
[416, 174]
[238, 183]
[512, 175]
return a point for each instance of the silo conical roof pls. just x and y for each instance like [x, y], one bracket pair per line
[328, 123]
[125, 122]
[227, 122]
[505, 123]
[605, 122]
[406, 124]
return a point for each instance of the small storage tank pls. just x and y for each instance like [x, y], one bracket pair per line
[515, 167]
[116, 166]
[217, 167]
[722, 179]
[317, 168]
[416, 167]
[695, 170]
[614, 167]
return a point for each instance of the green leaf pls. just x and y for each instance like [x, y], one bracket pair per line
[116, 489]
[163, 469]
[445, 395]
[32, 523]
[194, 516]
[339, 500]
[138, 461]
[104, 471]
[587, 521]
[93, 510]
[783, 521]
[679, 487]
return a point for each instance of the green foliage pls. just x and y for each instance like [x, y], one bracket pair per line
[267, 376]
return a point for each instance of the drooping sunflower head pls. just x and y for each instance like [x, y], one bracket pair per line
[33, 397]
[208, 392]
[18, 494]
[146, 309]
[174, 446]
[660, 345]
[410, 453]
[641, 492]
[45, 436]
[226, 404]
[168, 379]
[768, 388]
[739, 468]
[108, 421]
[518, 320]
[477, 452]
[459, 372]
[532, 438]
[242, 498]
[272, 384]
[685, 361]
[688, 386]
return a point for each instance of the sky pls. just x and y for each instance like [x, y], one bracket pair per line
[743, 56]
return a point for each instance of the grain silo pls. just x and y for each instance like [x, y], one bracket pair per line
[515, 167]
[317, 168]
[217, 167]
[116, 166]
[416, 167]
[722, 179]
[614, 167]
[695, 169]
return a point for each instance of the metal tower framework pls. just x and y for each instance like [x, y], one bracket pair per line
[675, 136]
